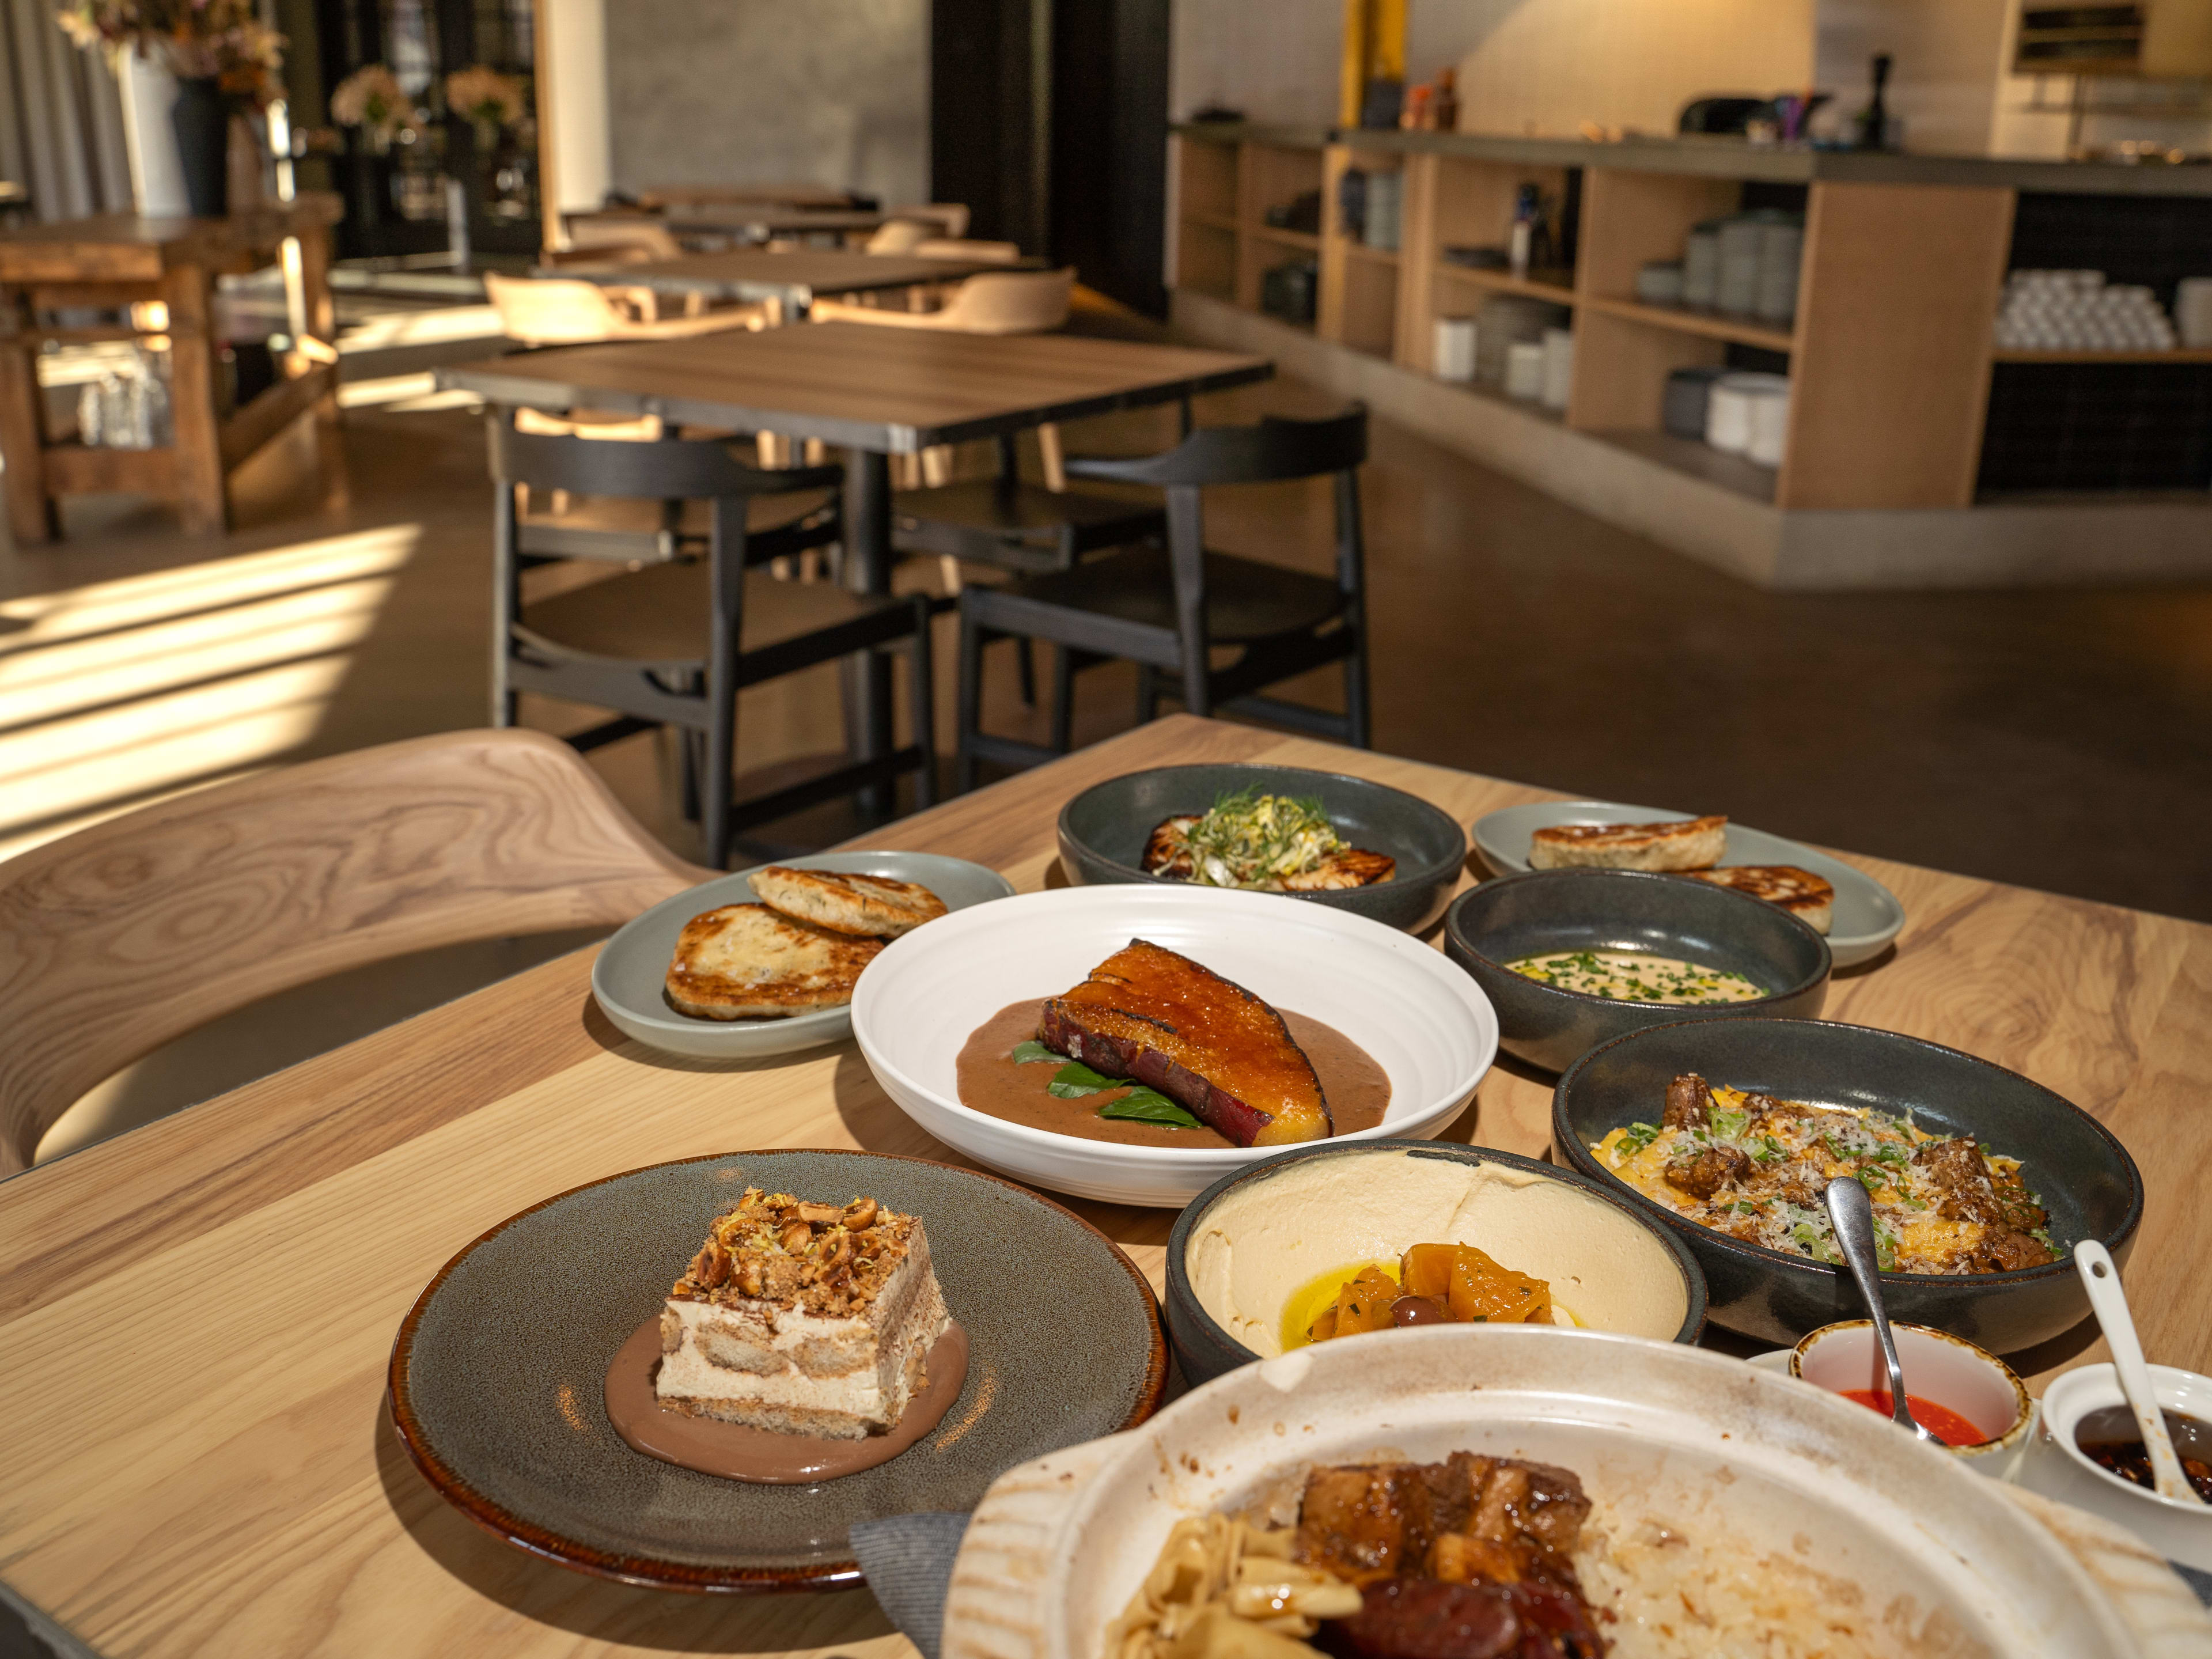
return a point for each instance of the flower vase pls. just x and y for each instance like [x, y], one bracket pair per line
[202, 124]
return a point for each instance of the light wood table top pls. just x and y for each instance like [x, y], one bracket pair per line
[195, 1316]
[894, 391]
[795, 277]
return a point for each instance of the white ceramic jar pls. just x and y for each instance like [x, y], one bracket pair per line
[1944, 1370]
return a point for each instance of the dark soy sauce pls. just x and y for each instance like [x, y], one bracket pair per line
[2110, 1439]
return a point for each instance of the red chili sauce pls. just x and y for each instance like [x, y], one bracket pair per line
[1945, 1424]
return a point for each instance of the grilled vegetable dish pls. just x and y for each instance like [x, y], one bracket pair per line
[1754, 1167]
[1266, 844]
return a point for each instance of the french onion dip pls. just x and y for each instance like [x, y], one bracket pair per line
[1635, 976]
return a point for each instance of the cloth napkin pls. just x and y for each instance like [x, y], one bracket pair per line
[908, 1561]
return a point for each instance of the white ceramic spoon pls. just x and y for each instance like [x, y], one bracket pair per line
[2110, 1304]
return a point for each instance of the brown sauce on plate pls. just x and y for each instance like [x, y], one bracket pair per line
[990, 1082]
[738, 1453]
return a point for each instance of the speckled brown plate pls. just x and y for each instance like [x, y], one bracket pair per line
[497, 1376]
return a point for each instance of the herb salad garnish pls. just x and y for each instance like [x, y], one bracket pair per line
[1250, 840]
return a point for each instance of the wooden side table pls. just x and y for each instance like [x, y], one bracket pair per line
[116, 261]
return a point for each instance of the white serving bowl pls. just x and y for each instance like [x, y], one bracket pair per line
[2055, 1466]
[1425, 1022]
[1818, 1499]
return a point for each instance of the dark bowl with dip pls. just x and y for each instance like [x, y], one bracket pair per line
[1545, 911]
[1205, 1349]
[1103, 830]
[2078, 1170]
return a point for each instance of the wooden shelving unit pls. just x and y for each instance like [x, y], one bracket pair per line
[1890, 353]
[1708, 324]
[1890, 349]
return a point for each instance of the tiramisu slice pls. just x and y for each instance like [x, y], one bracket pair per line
[802, 1318]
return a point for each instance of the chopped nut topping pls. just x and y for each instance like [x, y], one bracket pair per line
[774, 1247]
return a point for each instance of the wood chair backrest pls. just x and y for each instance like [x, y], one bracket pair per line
[948, 219]
[899, 236]
[648, 239]
[946, 247]
[553, 310]
[118, 937]
[1009, 302]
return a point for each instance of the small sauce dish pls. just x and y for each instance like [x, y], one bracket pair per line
[1967, 1382]
[2056, 1465]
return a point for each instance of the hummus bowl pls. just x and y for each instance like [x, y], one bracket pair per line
[1249, 1243]
[1422, 1020]
[1750, 1493]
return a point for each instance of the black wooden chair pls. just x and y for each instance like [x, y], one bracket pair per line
[671, 643]
[1168, 609]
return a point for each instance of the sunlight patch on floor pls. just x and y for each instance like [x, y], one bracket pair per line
[118, 692]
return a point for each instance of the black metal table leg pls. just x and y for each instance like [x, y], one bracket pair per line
[868, 570]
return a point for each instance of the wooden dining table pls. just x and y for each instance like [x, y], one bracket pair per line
[793, 280]
[874, 391]
[195, 1316]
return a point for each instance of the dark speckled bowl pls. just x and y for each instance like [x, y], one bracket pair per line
[1102, 832]
[497, 1380]
[1205, 1350]
[1546, 910]
[2083, 1174]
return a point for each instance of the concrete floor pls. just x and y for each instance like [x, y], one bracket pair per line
[2055, 739]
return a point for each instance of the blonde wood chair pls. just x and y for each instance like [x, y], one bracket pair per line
[625, 238]
[542, 311]
[950, 219]
[122, 936]
[948, 247]
[899, 236]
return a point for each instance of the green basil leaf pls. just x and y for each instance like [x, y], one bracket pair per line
[1150, 1106]
[1074, 1080]
[1030, 1052]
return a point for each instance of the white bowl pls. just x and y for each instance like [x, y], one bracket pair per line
[2056, 1466]
[1751, 1471]
[1941, 1369]
[1425, 1022]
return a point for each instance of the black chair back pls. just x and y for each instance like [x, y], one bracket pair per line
[670, 469]
[1276, 448]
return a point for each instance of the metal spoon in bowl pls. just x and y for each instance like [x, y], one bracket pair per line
[1852, 1213]
[2110, 1304]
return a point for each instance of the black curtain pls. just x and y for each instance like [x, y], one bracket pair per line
[1049, 117]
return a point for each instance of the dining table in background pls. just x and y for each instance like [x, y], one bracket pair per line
[196, 1316]
[757, 222]
[875, 392]
[792, 280]
[660, 197]
[142, 267]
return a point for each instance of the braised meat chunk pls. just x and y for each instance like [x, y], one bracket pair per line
[1709, 1170]
[1689, 1102]
[1997, 1200]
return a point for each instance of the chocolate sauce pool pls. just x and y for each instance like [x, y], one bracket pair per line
[738, 1453]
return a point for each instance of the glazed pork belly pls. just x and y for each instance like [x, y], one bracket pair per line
[1160, 1018]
